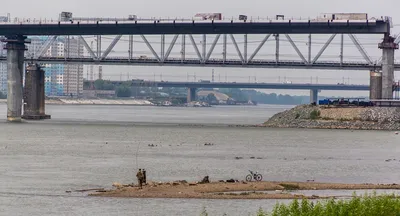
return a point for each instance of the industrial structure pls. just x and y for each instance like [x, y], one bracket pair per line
[16, 33]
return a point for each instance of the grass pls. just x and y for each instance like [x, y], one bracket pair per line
[368, 205]
[315, 114]
[290, 186]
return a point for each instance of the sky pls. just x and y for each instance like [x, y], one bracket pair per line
[229, 8]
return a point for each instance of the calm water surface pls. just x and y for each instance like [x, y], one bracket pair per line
[94, 146]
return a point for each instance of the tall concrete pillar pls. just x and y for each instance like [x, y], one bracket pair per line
[191, 96]
[41, 93]
[34, 94]
[31, 91]
[15, 61]
[388, 47]
[375, 85]
[314, 96]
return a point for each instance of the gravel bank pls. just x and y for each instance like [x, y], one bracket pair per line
[237, 190]
[355, 118]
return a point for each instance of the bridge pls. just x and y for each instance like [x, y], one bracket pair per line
[194, 62]
[293, 86]
[16, 33]
[193, 86]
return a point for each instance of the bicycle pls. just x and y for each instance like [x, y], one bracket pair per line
[254, 175]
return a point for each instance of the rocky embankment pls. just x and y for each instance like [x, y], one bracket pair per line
[330, 117]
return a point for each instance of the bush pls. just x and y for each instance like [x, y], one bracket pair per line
[315, 114]
[368, 205]
[123, 91]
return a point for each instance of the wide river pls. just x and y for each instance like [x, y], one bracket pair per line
[93, 146]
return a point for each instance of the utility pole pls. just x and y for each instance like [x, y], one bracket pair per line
[91, 66]
[101, 72]
[212, 78]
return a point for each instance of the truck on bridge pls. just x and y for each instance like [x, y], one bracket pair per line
[343, 16]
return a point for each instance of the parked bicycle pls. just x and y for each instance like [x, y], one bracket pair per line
[254, 175]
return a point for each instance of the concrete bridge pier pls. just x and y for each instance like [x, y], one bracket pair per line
[34, 94]
[314, 96]
[15, 66]
[388, 47]
[191, 96]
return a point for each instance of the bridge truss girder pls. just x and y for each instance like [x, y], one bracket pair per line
[204, 53]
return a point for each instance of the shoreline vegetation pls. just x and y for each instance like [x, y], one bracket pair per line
[232, 190]
[332, 117]
[367, 205]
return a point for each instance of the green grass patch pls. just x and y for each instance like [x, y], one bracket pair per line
[315, 114]
[290, 186]
[367, 205]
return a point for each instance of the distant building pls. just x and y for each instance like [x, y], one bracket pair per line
[60, 79]
[221, 97]
[98, 93]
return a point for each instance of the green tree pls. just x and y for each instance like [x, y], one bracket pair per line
[123, 91]
[103, 85]
[98, 84]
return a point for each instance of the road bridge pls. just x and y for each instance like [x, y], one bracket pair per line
[48, 27]
[16, 33]
[228, 63]
[193, 86]
[293, 86]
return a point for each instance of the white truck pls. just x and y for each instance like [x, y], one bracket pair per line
[343, 16]
[209, 16]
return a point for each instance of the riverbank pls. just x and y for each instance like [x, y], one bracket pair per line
[325, 117]
[236, 190]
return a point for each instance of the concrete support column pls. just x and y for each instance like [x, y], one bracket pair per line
[15, 67]
[314, 96]
[191, 96]
[41, 93]
[34, 94]
[375, 85]
[388, 46]
[31, 91]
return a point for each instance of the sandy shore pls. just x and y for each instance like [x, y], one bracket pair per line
[238, 190]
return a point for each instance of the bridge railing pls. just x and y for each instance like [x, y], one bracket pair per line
[183, 20]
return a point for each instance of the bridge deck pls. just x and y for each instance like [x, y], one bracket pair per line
[210, 63]
[252, 85]
[197, 27]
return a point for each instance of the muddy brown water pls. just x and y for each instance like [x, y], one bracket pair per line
[93, 146]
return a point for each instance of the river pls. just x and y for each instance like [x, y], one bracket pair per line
[93, 146]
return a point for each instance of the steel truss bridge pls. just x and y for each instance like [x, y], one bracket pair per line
[182, 36]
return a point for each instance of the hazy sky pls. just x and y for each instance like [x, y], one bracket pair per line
[229, 8]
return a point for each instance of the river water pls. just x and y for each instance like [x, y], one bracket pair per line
[94, 146]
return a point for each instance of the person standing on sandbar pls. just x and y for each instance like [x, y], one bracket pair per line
[139, 176]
